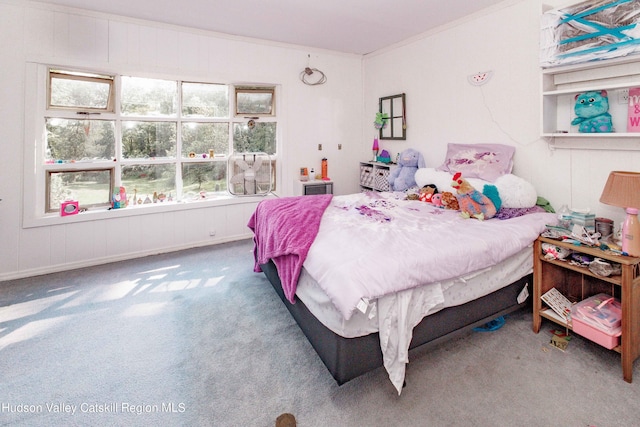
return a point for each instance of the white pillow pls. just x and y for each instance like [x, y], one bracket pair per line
[515, 192]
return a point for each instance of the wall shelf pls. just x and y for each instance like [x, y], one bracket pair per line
[560, 85]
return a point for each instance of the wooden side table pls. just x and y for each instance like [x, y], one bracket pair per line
[577, 283]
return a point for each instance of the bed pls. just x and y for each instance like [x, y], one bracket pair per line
[370, 276]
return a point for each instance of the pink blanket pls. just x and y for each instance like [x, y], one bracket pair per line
[284, 230]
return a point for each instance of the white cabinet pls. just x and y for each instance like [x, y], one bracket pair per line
[374, 176]
[560, 85]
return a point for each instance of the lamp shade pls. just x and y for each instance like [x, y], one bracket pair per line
[375, 146]
[622, 189]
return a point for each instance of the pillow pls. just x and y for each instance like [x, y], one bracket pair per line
[484, 161]
[514, 191]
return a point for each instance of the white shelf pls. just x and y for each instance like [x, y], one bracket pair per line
[609, 87]
[374, 176]
[561, 85]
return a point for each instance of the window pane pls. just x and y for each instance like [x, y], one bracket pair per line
[259, 138]
[141, 140]
[80, 91]
[89, 188]
[149, 97]
[199, 138]
[79, 139]
[149, 183]
[210, 177]
[205, 100]
[254, 101]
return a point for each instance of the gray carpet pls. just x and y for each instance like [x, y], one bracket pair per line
[195, 338]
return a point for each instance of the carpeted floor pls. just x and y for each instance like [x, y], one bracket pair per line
[195, 338]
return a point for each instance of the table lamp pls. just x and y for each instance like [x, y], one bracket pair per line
[623, 190]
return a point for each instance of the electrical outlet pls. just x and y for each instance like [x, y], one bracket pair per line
[212, 233]
[480, 78]
[319, 147]
[623, 96]
[339, 148]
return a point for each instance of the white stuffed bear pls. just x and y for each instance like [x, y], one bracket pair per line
[402, 177]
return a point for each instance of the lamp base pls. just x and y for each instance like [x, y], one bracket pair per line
[631, 233]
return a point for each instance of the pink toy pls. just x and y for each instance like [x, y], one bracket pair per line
[436, 200]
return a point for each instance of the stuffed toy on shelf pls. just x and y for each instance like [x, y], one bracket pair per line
[592, 111]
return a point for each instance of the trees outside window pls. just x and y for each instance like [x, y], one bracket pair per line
[152, 136]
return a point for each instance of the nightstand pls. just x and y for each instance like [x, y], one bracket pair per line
[309, 188]
[577, 283]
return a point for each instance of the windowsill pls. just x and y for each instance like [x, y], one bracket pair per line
[145, 209]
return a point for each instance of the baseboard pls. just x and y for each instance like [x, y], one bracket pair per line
[106, 260]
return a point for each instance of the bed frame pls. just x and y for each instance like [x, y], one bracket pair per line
[348, 358]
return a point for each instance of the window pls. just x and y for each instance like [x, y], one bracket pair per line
[93, 187]
[257, 101]
[75, 90]
[163, 140]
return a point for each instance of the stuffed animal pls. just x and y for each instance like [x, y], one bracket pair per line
[402, 177]
[474, 203]
[449, 201]
[591, 109]
[384, 157]
[436, 200]
[427, 192]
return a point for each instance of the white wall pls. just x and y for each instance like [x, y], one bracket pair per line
[31, 32]
[431, 69]
[443, 107]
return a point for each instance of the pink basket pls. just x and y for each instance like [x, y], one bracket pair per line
[598, 318]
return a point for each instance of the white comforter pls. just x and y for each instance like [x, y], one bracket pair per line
[371, 245]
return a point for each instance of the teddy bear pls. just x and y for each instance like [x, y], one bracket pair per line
[402, 177]
[591, 109]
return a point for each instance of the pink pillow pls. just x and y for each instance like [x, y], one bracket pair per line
[485, 161]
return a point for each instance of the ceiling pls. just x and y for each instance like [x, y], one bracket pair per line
[351, 26]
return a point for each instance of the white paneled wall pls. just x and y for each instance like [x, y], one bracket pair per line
[431, 69]
[33, 32]
[443, 107]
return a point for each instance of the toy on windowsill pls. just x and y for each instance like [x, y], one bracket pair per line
[119, 199]
[592, 111]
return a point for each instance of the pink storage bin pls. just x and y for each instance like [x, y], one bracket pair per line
[598, 318]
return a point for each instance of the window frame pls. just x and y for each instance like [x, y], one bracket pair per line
[36, 166]
[56, 72]
[50, 171]
[238, 90]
